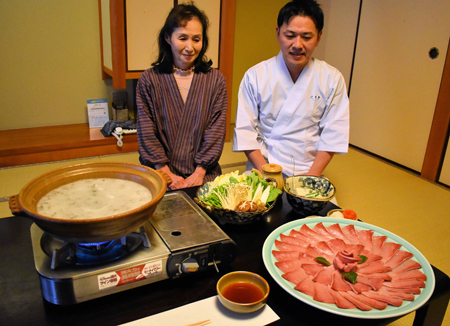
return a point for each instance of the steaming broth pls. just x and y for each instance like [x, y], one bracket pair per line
[90, 198]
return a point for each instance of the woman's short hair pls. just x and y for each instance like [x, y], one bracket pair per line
[178, 17]
[306, 8]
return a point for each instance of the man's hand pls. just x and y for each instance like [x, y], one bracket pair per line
[256, 158]
[320, 163]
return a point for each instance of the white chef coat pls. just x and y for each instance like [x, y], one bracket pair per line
[283, 118]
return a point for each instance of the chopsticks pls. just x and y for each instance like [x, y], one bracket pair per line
[200, 323]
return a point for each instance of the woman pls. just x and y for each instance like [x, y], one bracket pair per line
[182, 103]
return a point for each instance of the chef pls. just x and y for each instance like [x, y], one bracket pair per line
[293, 109]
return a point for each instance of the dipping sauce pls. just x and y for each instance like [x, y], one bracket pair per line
[243, 292]
[91, 198]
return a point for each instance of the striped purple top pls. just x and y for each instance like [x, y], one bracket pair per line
[181, 134]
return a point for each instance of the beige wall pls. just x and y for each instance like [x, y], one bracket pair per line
[49, 62]
[255, 38]
[50, 57]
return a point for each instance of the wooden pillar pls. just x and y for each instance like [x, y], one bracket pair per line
[118, 46]
[437, 141]
[226, 51]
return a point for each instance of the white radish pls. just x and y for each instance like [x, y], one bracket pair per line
[265, 195]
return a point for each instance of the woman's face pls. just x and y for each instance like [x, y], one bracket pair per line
[186, 43]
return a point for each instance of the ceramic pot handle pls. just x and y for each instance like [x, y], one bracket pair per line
[165, 176]
[14, 205]
[257, 172]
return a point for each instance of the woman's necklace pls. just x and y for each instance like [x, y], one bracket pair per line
[183, 70]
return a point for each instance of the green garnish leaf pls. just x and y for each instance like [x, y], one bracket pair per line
[364, 258]
[351, 276]
[322, 261]
[233, 180]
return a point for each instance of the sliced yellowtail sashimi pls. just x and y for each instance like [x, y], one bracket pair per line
[318, 260]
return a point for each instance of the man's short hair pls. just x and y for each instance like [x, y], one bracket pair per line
[305, 8]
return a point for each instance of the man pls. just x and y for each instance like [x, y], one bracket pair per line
[293, 107]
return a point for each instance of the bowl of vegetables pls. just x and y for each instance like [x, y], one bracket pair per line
[237, 199]
[308, 194]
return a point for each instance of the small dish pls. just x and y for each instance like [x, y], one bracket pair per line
[338, 213]
[343, 213]
[242, 292]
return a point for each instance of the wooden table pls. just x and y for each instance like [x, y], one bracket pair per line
[21, 300]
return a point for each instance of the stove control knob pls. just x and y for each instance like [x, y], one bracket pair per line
[190, 266]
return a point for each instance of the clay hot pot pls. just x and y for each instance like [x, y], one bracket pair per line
[95, 229]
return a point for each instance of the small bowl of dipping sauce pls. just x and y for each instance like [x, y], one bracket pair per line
[243, 292]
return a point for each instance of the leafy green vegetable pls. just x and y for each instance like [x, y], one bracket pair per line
[253, 178]
[233, 180]
[351, 276]
[322, 261]
[274, 192]
[212, 200]
[263, 182]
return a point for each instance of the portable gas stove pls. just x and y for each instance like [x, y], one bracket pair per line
[177, 240]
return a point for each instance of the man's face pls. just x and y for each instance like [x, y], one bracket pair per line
[297, 39]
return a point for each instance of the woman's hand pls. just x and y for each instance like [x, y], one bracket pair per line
[177, 181]
[196, 178]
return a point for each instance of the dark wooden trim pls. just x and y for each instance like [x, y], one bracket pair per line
[226, 50]
[437, 141]
[118, 46]
[133, 75]
[108, 72]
